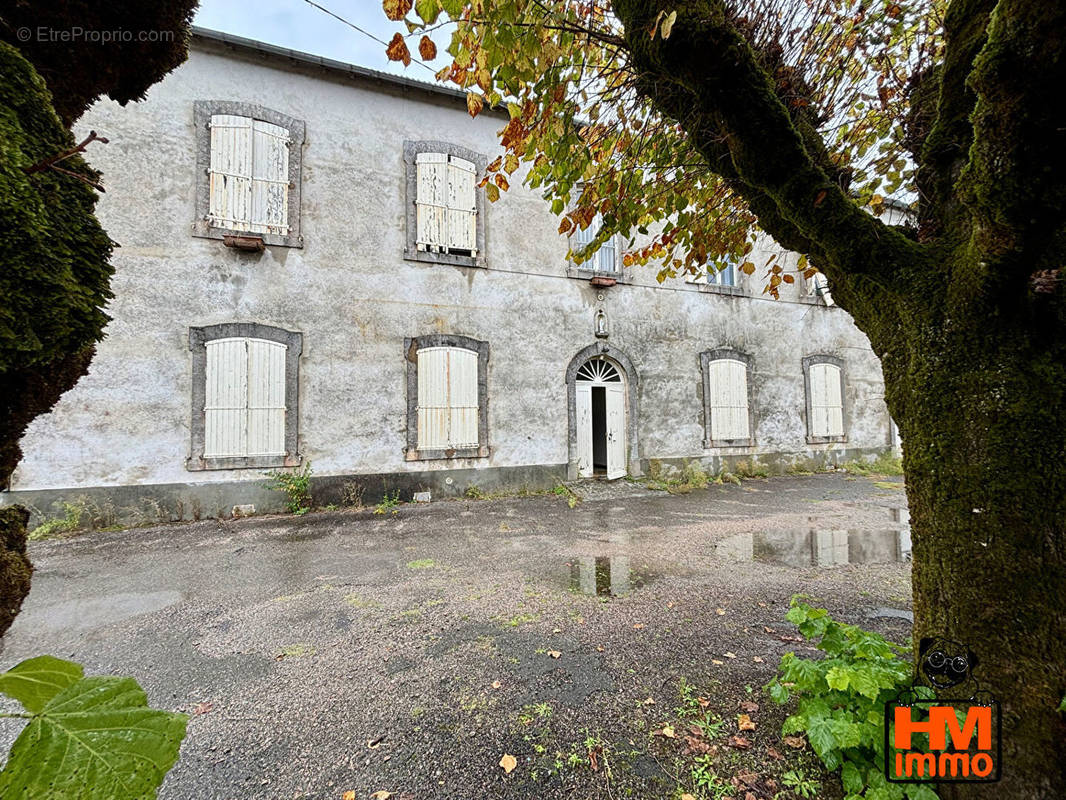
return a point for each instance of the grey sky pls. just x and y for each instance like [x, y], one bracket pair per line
[297, 25]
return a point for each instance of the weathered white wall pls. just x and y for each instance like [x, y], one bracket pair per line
[355, 299]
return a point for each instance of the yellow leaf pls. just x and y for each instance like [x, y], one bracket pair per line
[687, 797]
[554, 653]
[668, 24]
[508, 762]
[348, 795]
[730, 655]
[719, 611]
[668, 732]
[512, 163]
[382, 795]
[474, 103]
[501, 181]
[744, 722]
[396, 9]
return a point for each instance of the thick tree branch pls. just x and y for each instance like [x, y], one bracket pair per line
[733, 101]
[1013, 185]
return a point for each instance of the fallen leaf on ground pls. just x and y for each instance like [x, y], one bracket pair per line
[348, 795]
[703, 702]
[716, 661]
[687, 797]
[762, 605]
[795, 741]
[671, 605]
[599, 648]
[773, 752]
[695, 746]
[745, 723]
[719, 611]
[639, 625]
[554, 653]
[382, 795]
[496, 684]
[768, 630]
[790, 637]
[730, 655]
[648, 701]
[739, 742]
[202, 708]
[757, 659]
[668, 732]
[508, 762]
[749, 706]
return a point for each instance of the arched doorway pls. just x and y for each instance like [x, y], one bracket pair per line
[602, 401]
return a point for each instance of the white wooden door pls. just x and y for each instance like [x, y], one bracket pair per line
[583, 413]
[616, 431]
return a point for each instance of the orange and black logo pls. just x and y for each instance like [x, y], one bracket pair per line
[944, 740]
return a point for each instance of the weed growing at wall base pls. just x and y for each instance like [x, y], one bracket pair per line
[296, 486]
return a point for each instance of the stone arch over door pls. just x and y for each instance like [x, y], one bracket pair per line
[629, 373]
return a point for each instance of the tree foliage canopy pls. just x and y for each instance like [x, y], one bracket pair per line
[596, 143]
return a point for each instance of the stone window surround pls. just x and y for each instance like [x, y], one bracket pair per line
[411, 346]
[411, 149]
[198, 339]
[808, 361]
[203, 110]
[706, 357]
[623, 361]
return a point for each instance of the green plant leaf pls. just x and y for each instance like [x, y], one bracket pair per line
[851, 778]
[97, 739]
[37, 680]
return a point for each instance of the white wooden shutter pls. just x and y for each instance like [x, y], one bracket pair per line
[462, 398]
[431, 201]
[432, 398]
[244, 409]
[270, 179]
[728, 379]
[616, 431]
[583, 398]
[606, 256]
[462, 205]
[266, 398]
[226, 399]
[230, 174]
[827, 405]
[447, 398]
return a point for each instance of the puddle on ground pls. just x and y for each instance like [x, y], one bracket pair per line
[605, 575]
[86, 614]
[819, 548]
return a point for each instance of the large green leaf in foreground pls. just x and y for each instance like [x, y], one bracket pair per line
[88, 738]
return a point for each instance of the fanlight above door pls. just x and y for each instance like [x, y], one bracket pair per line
[599, 370]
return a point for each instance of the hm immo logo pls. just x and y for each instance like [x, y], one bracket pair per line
[952, 740]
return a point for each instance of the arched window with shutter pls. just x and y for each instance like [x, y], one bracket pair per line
[728, 413]
[824, 383]
[445, 206]
[447, 397]
[249, 159]
[245, 396]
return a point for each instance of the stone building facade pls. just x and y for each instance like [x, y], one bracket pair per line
[308, 273]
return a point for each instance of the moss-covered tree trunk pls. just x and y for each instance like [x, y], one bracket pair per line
[982, 416]
[966, 309]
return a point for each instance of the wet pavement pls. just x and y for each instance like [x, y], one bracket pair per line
[406, 653]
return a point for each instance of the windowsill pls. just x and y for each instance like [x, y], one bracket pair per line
[453, 259]
[826, 439]
[737, 444]
[714, 288]
[587, 274]
[242, 462]
[204, 231]
[433, 455]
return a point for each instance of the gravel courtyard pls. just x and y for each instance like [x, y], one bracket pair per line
[407, 653]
